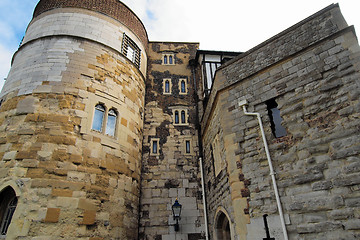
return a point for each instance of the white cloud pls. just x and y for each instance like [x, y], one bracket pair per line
[232, 25]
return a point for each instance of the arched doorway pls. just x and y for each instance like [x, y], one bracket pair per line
[222, 227]
[8, 202]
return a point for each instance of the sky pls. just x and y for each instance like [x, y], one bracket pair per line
[227, 25]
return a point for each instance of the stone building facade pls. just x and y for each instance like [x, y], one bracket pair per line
[101, 130]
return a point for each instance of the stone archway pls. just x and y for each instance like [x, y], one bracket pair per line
[222, 227]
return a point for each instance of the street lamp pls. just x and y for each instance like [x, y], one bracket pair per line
[176, 208]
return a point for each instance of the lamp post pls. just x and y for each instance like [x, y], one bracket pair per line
[176, 209]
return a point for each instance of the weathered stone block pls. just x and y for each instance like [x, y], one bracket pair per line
[52, 215]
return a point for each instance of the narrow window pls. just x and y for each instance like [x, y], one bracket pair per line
[155, 147]
[167, 86]
[170, 59]
[8, 202]
[165, 59]
[98, 117]
[183, 117]
[176, 117]
[111, 123]
[183, 87]
[187, 146]
[275, 119]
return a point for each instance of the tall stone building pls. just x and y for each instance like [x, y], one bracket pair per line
[102, 130]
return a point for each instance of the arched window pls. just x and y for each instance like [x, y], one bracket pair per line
[170, 59]
[183, 86]
[183, 117]
[8, 202]
[111, 123]
[176, 117]
[98, 117]
[167, 86]
[222, 227]
[165, 59]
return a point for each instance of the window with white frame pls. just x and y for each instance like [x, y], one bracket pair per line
[105, 119]
[188, 146]
[168, 59]
[154, 146]
[183, 86]
[167, 85]
[180, 116]
[131, 50]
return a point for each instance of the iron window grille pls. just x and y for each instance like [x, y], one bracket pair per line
[131, 50]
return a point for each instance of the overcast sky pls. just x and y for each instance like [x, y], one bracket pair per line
[229, 25]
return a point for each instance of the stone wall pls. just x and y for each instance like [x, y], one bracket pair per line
[172, 173]
[72, 182]
[312, 71]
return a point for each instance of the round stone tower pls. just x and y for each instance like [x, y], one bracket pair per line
[71, 121]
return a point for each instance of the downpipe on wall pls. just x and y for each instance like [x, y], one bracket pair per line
[192, 64]
[203, 196]
[243, 104]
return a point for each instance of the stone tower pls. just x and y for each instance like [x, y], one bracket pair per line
[71, 123]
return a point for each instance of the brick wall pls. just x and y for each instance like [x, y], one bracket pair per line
[112, 8]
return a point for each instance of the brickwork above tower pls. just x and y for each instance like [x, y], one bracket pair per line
[112, 8]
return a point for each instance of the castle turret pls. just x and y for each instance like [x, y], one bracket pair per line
[71, 123]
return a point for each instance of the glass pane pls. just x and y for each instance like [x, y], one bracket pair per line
[111, 123]
[98, 118]
[183, 86]
[176, 117]
[208, 76]
[170, 60]
[167, 87]
[165, 59]
[187, 146]
[130, 54]
[183, 117]
[213, 69]
[155, 147]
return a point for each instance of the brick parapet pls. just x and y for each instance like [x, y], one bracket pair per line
[112, 8]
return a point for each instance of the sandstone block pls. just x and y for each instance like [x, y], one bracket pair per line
[52, 215]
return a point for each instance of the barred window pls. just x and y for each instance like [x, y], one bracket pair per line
[131, 50]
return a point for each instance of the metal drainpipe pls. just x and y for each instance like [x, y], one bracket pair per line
[193, 64]
[203, 197]
[243, 103]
